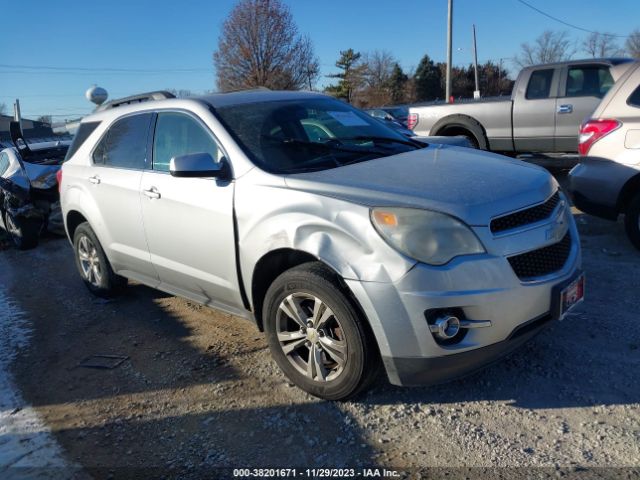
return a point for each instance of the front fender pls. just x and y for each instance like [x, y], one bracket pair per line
[271, 216]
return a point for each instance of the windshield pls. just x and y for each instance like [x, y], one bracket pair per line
[310, 134]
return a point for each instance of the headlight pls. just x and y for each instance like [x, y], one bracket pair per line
[426, 236]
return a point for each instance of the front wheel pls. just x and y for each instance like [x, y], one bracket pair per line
[632, 221]
[24, 232]
[316, 336]
[93, 265]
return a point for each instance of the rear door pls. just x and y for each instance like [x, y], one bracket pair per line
[189, 221]
[534, 109]
[581, 89]
[114, 182]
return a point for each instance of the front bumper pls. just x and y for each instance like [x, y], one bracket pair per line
[483, 287]
[595, 185]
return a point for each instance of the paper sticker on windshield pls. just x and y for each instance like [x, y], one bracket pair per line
[349, 119]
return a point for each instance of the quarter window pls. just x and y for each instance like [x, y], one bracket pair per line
[4, 163]
[540, 84]
[125, 143]
[588, 81]
[634, 99]
[179, 134]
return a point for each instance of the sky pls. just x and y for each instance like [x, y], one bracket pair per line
[134, 46]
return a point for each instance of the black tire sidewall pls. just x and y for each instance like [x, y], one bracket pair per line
[631, 221]
[306, 281]
[29, 232]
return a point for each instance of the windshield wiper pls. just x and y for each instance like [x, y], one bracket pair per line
[374, 138]
[334, 146]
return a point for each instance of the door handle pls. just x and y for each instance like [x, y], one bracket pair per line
[95, 179]
[152, 193]
[568, 108]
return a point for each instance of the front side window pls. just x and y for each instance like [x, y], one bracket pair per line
[180, 134]
[125, 143]
[306, 134]
[588, 81]
[540, 84]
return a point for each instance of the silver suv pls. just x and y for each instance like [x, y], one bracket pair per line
[348, 244]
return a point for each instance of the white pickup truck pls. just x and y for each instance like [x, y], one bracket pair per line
[543, 114]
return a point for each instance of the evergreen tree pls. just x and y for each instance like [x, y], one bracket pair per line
[397, 83]
[428, 80]
[351, 77]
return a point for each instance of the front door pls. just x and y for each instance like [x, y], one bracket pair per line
[189, 221]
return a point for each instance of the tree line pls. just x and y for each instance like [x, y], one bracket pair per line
[261, 46]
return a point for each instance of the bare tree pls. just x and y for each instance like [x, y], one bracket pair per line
[377, 76]
[600, 45]
[260, 46]
[549, 47]
[633, 44]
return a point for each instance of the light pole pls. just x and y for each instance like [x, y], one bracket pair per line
[449, 53]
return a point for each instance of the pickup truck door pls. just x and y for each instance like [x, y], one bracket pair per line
[581, 89]
[534, 107]
[189, 222]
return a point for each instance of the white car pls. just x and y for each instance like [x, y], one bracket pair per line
[606, 182]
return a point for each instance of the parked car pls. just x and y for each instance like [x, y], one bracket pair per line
[543, 114]
[350, 251]
[399, 113]
[29, 198]
[390, 121]
[606, 182]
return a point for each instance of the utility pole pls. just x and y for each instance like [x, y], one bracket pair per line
[16, 113]
[449, 53]
[476, 92]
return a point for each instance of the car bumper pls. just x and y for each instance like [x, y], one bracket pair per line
[483, 289]
[595, 185]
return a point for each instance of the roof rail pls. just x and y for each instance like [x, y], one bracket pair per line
[141, 97]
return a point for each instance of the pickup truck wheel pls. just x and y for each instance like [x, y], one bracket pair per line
[632, 221]
[462, 125]
[316, 335]
[93, 265]
[24, 232]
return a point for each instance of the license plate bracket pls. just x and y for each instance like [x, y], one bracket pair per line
[568, 295]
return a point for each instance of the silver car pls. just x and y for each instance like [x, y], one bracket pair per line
[350, 252]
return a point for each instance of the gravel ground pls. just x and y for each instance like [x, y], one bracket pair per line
[199, 391]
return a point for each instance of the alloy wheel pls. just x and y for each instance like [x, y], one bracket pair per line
[311, 337]
[89, 261]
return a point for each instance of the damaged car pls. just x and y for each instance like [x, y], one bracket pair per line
[29, 196]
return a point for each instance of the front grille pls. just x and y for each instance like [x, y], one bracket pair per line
[543, 261]
[525, 217]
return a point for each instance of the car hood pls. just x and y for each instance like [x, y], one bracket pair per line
[469, 184]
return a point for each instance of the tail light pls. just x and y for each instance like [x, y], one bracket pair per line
[593, 130]
[59, 179]
[412, 120]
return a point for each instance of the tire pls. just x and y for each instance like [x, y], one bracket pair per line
[93, 265]
[347, 356]
[24, 232]
[632, 221]
[465, 126]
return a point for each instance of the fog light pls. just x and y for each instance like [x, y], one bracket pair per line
[446, 327]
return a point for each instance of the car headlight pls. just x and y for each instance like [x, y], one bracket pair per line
[427, 236]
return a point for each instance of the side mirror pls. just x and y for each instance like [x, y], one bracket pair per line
[198, 165]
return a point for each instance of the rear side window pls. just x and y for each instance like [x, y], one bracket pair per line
[588, 81]
[125, 143]
[539, 84]
[634, 98]
[81, 136]
[179, 134]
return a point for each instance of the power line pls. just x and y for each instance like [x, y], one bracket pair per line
[107, 69]
[569, 24]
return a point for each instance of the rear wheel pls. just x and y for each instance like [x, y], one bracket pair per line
[93, 265]
[24, 232]
[632, 221]
[316, 335]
